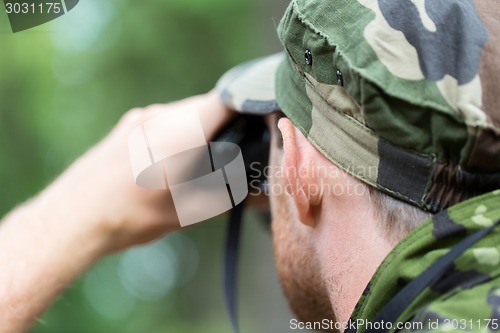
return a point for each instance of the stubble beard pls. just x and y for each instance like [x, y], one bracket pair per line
[298, 269]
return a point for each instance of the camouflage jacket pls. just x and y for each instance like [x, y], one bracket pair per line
[466, 298]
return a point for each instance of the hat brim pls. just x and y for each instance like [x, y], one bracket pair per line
[250, 87]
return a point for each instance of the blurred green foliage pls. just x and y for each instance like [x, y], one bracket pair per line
[63, 85]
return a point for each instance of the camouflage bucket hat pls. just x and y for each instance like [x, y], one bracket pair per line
[404, 95]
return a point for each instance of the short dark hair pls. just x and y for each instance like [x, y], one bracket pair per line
[396, 218]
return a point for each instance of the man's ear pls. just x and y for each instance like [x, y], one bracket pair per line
[299, 176]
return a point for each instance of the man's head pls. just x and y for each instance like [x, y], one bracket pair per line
[392, 113]
[328, 226]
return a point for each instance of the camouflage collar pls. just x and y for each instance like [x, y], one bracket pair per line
[427, 243]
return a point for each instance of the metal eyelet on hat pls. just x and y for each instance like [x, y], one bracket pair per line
[309, 57]
[340, 78]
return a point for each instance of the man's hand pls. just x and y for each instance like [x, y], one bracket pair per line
[92, 209]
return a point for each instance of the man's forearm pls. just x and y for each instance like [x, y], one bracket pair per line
[39, 257]
[92, 209]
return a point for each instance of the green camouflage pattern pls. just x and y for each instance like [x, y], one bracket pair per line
[401, 94]
[469, 292]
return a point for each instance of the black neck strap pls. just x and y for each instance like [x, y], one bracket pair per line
[231, 263]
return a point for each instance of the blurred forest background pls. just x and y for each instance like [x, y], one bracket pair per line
[63, 85]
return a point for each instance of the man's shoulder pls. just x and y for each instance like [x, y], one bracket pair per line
[465, 309]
